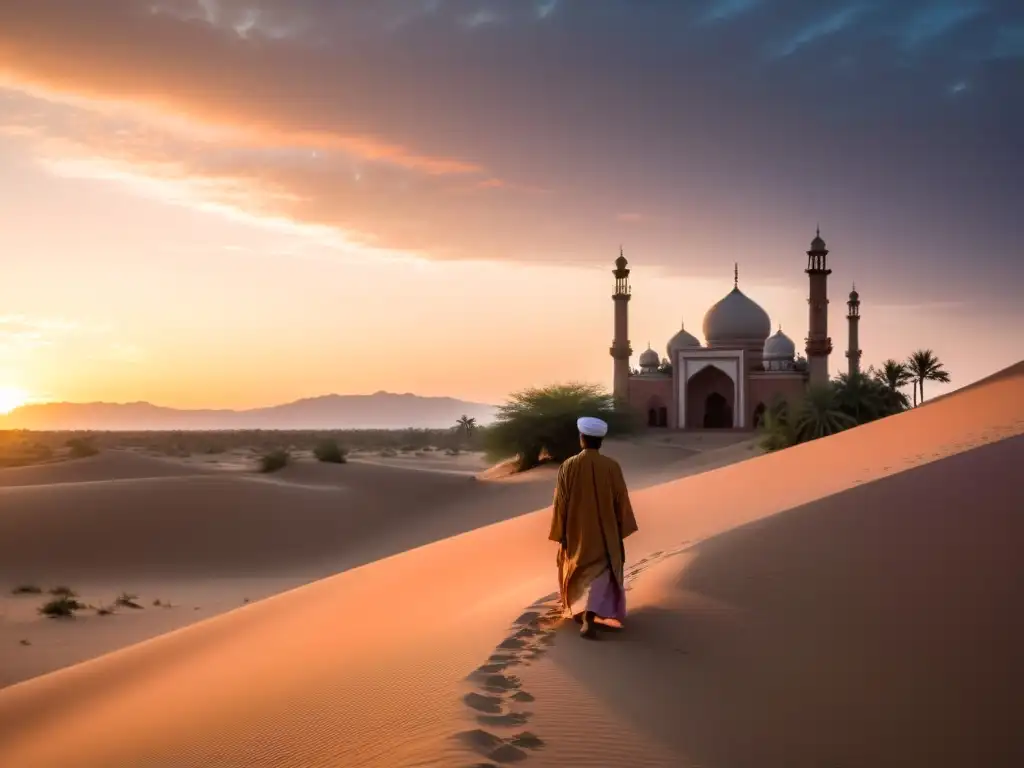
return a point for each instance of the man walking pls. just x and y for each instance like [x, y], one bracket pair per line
[591, 518]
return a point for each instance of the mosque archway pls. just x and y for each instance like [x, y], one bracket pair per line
[717, 412]
[657, 413]
[710, 399]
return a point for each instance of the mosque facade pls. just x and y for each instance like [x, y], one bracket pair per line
[728, 382]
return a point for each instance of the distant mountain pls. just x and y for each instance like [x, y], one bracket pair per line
[381, 410]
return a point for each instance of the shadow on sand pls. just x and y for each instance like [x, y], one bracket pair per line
[880, 626]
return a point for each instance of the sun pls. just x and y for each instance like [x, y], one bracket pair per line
[11, 398]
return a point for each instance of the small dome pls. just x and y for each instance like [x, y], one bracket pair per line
[620, 263]
[854, 296]
[736, 318]
[682, 340]
[649, 358]
[779, 346]
[817, 244]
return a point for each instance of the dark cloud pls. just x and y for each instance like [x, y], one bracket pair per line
[896, 124]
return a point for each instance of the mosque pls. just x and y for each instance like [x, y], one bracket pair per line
[729, 382]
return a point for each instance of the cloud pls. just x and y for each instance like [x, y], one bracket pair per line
[389, 127]
[632, 217]
[823, 26]
[722, 10]
[936, 19]
[20, 332]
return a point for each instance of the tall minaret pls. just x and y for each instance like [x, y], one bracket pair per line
[620, 349]
[853, 318]
[819, 345]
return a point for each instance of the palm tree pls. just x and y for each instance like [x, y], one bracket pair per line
[861, 397]
[466, 425]
[894, 375]
[819, 415]
[924, 365]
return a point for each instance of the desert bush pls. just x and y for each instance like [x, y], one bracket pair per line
[330, 452]
[61, 607]
[542, 421]
[63, 592]
[81, 447]
[127, 600]
[388, 453]
[275, 460]
[27, 589]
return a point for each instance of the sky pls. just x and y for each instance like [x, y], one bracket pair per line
[235, 203]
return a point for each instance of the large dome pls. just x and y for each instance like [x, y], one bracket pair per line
[736, 319]
[682, 340]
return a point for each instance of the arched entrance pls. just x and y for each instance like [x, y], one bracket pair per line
[710, 399]
[657, 413]
[717, 412]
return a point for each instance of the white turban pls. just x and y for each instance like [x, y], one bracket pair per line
[592, 427]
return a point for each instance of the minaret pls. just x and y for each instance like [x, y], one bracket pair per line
[853, 318]
[819, 345]
[620, 349]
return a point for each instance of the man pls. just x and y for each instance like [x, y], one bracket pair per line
[592, 515]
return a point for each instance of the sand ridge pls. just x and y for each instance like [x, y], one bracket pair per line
[369, 667]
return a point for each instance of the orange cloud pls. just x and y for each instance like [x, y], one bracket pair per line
[114, 57]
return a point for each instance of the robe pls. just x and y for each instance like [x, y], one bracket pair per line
[591, 517]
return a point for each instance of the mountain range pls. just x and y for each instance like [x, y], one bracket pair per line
[381, 410]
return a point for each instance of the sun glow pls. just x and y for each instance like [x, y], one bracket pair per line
[11, 398]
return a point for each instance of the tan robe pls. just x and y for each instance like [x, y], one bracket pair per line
[591, 517]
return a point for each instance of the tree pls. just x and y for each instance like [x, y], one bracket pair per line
[820, 415]
[866, 397]
[466, 425]
[894, 375]
[925, 366]
[542, 421]
[776, 430]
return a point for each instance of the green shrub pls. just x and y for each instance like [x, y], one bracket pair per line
[330, 452]
[538, 422]
[388, 453]
[61, 607]
[275, 460]
[27, 589]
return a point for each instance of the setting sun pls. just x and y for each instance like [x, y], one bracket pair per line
[11, 398]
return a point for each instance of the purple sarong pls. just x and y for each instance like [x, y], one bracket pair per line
[603, 597]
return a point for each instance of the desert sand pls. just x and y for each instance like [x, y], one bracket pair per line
[848, 602]
[206, 534]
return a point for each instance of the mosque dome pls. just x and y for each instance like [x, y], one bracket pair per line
[854, 296]
[817, 244]
[779, 346]
[736, 318]
[649, 358]
[682, 340]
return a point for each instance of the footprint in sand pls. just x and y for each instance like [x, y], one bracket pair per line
[501, 683]
[504, 721]
[492, 747]
[481, 703]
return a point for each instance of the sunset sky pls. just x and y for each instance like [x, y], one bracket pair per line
[233, 203]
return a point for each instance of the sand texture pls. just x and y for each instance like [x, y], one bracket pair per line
[849, 602]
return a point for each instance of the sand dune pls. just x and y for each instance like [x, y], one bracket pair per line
[104, 467]
[872, 622]
[206, 541]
